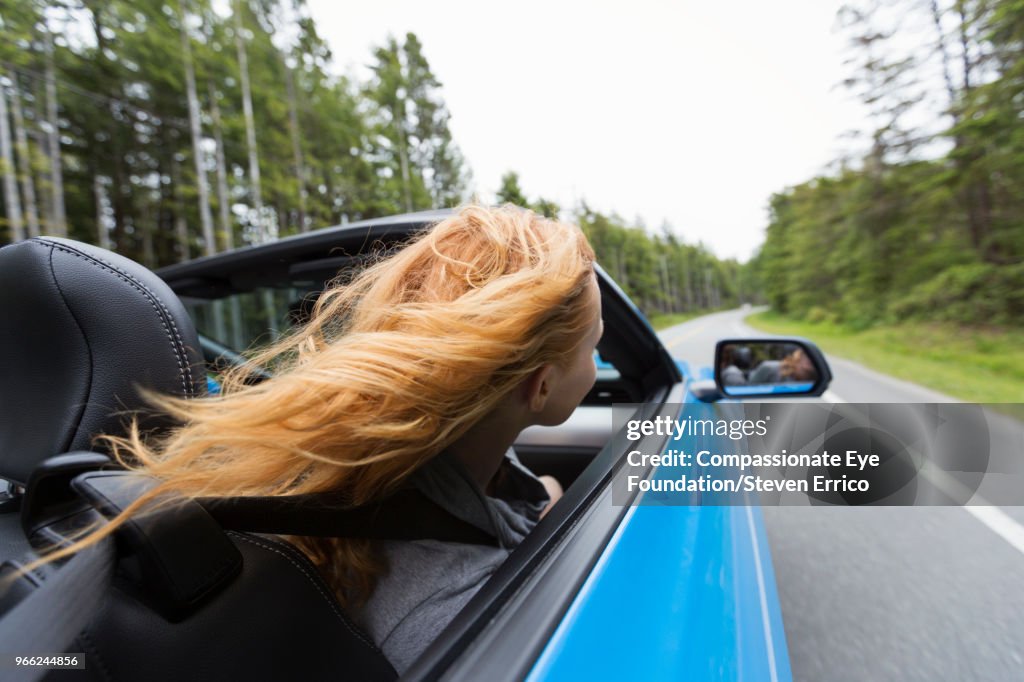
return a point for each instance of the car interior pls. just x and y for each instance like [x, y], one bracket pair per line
[86, 331]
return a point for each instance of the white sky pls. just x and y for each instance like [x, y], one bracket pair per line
[690, 112]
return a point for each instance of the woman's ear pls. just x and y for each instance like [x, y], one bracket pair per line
[538, 388]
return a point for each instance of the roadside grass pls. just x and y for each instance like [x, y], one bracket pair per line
[973, 364]
[662, 321]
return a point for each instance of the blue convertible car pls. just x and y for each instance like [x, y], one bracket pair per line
[602, 589]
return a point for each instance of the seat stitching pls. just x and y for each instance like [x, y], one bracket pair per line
[87, 643]
[184, 368]
[316, 584]
[183, 363]
[170, 317]
[88, 348]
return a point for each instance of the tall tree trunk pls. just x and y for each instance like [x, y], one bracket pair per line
[953, 96]
[148, 225]
[265, 230]
[24, 154]
[687, 278]
[205, 219]
[620, 270]
[12, 202]
[673, 296]
[282, 214]
[42, 140]
[119, 191]
[947, 74]
[223, 202]
[180, 224]
[965, 53]
[666, 285]
[980, 190]
[59, 224]
[99, 196]
[233, 334]
[403, 159]
[975, 196]
[121, 202]
[300, 166]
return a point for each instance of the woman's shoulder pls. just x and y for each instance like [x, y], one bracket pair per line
[508, 510]
[427, 583]
[426, 568]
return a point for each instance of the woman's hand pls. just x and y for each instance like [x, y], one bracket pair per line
[555, 491]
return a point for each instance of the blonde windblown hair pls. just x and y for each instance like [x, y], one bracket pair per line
[390, 369]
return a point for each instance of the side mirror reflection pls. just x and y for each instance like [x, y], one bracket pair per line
[770, 367]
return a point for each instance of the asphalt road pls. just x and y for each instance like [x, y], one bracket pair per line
[889, 593]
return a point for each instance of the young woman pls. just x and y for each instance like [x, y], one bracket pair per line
[421, 371]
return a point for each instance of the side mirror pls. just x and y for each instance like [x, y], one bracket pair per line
[775, 367]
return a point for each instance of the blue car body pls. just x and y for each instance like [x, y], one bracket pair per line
[680, 592]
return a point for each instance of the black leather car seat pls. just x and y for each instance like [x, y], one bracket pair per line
[81, 329]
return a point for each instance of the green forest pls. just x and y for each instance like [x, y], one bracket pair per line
[662, 274]
[171, 130]
[928, 225]
[168, 130]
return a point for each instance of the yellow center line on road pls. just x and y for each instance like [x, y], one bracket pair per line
[677, 338]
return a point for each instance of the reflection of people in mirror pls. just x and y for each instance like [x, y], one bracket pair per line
[765, 373]
[735, 362]
[794, 367]
[797, 367]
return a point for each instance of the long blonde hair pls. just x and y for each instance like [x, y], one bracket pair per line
[390, 370]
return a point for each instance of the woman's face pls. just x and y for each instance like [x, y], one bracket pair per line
[572, 382]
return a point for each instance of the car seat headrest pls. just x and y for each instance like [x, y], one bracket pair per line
[81, 329]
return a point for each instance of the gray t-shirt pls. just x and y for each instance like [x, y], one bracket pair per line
[429, 581]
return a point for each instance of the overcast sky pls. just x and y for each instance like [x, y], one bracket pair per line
[690, 112]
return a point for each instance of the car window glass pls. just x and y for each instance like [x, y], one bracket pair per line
[248, 320]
